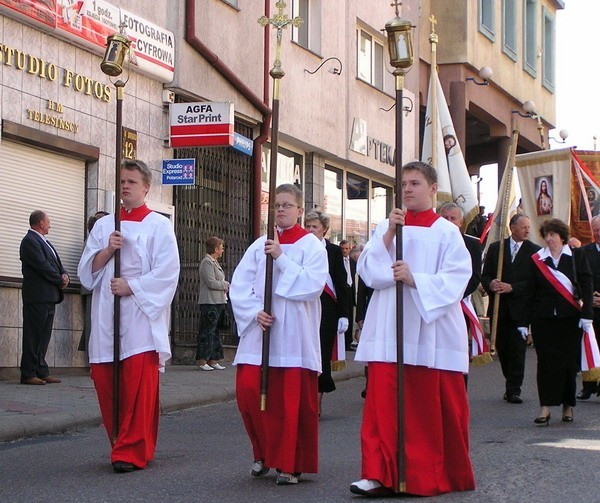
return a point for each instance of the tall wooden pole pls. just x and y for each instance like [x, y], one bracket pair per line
[120, 88]
[279, 22]
[399, 74]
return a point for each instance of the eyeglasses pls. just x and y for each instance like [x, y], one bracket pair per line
[284, 206]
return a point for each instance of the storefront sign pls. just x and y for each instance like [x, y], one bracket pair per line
[202, 124]
[367, 145]
[51, 119]
[242, 144]
[88, 24]
[129, 143]
[179, 172]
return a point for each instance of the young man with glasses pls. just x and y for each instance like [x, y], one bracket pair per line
[285, 435]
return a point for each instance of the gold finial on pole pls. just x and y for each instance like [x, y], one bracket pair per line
[396, 5]
[433, 38]
[279, 21]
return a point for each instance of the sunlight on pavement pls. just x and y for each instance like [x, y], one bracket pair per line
[574, 443]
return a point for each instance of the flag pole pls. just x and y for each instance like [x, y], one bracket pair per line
[401, 58]
[435, 118]
[505, 197]
[279, 22]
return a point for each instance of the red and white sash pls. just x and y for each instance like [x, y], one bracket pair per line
[590, 354]
[479, 346]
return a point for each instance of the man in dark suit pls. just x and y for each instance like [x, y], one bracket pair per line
[334, 304]
[350, 267]
[511, 284]
[592, 254]
[454, 213]
[44, 278]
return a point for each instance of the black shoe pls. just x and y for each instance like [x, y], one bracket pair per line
[543, 420]
[584, 395]
[567, 418]
[123, 467]
[514, 399]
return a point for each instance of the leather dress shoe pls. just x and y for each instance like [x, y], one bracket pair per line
[514, 399]
[584, 395]
[123, 467]
[371, 488]
[33, 380]
[51, 380]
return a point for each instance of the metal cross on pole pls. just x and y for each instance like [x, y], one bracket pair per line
[279, 21]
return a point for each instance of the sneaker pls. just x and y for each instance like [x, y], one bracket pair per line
[259, 469]
[369, 487]
[286, 479]
[206, 366]
[216, 366]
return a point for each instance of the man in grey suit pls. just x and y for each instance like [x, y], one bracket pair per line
[44, 278]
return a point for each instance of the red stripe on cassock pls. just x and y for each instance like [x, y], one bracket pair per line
[291, 235]
[202, 141]
[138, 406]
[286, 435]
[136, 214]
[436, 430]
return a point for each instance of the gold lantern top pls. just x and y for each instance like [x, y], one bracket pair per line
[400, 42]
[117, 46]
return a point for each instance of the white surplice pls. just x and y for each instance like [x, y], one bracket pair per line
[435, 333]
[299, 276]
[150, 264]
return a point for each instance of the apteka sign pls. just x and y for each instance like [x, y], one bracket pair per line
[202, 124]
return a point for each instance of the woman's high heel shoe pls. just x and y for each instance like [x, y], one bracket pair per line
[542, 420]
[567, 418]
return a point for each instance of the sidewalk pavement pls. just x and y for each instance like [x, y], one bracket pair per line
[29, 411]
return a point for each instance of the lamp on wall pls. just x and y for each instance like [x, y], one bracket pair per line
[405, 108]
[334, 69]
[563, 133]
[485, 74]
[529, 108]
[117, 47]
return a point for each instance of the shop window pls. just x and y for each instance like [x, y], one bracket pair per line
[332, 202]
[357, 208]
[381, 203]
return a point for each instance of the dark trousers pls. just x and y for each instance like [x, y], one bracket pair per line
[209, 345]
[327, 336]
[37, 330]
[557, 343]
[511, 352]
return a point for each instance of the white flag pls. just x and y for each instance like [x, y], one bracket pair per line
[454, 182]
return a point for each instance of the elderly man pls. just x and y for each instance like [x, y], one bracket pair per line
[44, 278]
[510, 286]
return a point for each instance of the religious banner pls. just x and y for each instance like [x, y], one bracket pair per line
[560, 184]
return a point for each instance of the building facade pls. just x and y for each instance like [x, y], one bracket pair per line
[336, 124]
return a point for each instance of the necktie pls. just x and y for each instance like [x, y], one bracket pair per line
[348, 273]
[515, 250]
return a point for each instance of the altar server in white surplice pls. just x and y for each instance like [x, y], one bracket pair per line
[435, 270]
[285, 436]
[149, 276]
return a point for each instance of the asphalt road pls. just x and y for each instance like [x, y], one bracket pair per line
[204, 455]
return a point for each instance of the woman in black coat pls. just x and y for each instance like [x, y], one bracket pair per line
[557, 304]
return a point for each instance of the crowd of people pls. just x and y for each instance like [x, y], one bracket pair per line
[326, 299]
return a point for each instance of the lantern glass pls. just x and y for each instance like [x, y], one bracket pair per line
[400, 43]
[116, 49]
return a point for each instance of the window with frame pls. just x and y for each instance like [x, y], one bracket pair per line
[509, 28]
[548, 36]
[357, 208]
[530, 49]
[486, 18]
[332, 202]
[308, 34]
[369, 59]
